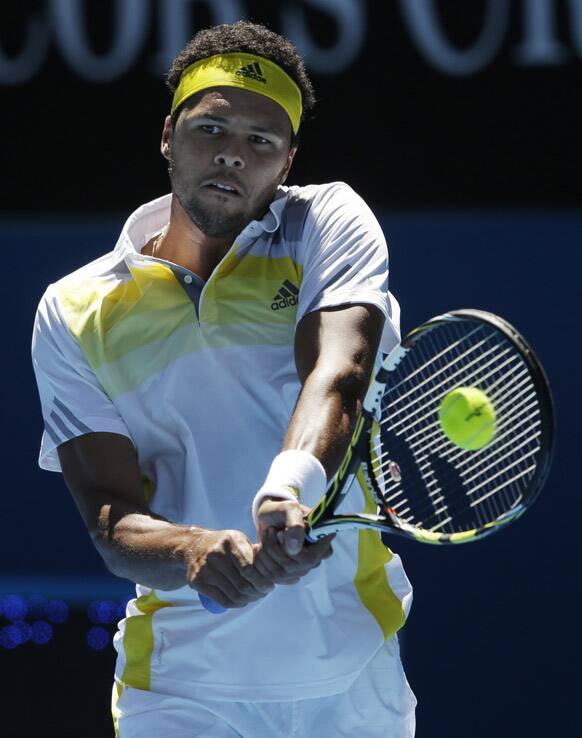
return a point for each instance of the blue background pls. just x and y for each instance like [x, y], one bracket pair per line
[494, 623]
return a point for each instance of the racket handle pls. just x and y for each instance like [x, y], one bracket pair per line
[211, 605]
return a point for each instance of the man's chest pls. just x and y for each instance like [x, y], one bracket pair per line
[133, 329]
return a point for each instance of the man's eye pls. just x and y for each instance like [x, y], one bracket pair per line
[209, 128]
[260, 140]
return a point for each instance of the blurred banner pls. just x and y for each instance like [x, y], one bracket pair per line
[421, 102]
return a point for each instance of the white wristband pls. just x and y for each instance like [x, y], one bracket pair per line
[294, 475]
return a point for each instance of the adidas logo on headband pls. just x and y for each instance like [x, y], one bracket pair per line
[252, 71]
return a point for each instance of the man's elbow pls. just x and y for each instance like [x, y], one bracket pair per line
[107, 550]
[351, 381]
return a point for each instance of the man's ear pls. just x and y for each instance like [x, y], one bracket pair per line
[287, 168]
[166, 142]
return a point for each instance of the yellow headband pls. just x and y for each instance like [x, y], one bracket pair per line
[247, 71]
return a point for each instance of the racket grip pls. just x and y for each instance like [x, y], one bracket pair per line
[211, 605]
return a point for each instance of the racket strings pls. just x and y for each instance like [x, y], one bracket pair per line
[479, 372]
[511, 406]
[441, 504]
[444, 375]
[450, 479]
[431, 437]
[393, 492]
[460, 371]
[395, 384]
[466, 489]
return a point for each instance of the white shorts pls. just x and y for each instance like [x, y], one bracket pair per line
[379, 704]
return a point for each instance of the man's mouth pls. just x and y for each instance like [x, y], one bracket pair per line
[223, 187]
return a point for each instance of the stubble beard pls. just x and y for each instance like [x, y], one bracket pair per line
[212, 220]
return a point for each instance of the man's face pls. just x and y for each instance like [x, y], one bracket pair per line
[228, 153]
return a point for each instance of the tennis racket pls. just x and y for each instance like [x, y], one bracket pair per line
[426, 487]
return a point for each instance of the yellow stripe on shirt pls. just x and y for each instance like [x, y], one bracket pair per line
[371, 580]
[138, 642]
[131, 330]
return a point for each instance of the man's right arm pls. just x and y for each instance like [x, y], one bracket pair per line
[102, 472]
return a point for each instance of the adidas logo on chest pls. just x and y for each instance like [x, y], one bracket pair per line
[285, 297]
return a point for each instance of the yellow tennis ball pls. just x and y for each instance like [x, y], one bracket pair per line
[467, 418]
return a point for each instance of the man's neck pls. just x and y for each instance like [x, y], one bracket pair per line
[183, 243]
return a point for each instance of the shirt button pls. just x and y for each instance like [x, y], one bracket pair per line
[188, 278]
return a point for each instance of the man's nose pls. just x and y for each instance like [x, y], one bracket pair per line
[230, 159]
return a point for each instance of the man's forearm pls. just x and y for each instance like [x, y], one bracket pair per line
[325, 417]
[334, 356]
[144, 548]
[103, 475]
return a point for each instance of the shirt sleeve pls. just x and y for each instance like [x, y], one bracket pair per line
[72, 400]
[346, 259]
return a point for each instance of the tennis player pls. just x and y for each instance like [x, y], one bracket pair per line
[199, 385]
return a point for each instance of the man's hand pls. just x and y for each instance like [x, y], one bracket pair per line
[282, 555]
[220, 565]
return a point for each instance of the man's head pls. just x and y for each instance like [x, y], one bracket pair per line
[248, 38]
[240, 92]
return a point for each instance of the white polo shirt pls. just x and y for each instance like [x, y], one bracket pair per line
[201, 377]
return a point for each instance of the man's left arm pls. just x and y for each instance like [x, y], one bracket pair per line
[335, 350]
[334, 354]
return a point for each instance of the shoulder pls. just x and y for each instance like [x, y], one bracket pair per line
[107, 272]
[68, 302]
[330, 202]
[97, 273]
[321, 195]
[308, 210]
[112, 267]
[96, 269]
[332, 214]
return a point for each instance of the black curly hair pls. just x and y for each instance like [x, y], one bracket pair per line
[251, 38]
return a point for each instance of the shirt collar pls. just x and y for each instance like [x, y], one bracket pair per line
[150, 218]
[272, 218]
